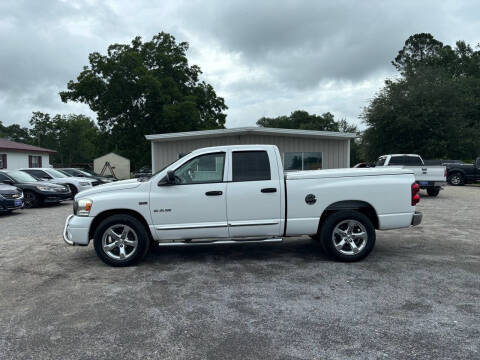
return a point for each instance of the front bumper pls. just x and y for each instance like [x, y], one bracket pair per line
[55, 196]
[11, 204]
[417, 218]
[76, 229]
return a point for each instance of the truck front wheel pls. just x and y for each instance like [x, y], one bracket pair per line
[348, 235]
[121, 240]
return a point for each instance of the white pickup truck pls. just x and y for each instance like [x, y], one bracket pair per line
[431, 178]
[240, 194]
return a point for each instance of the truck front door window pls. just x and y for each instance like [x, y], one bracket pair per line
[206, 168]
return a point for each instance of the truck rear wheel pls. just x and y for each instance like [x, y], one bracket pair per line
[348, 235]
[121, 240]
[433, 191]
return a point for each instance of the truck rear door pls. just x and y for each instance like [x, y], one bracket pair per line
[254, 194]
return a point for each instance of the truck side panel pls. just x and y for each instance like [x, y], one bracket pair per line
[394, 209]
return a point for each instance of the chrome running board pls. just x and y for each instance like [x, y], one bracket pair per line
[220, 242]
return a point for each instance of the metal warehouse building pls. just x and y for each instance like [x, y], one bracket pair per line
[300, 149]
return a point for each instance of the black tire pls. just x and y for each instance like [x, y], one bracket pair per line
[339, 219]
[433, 191]
[30, 200]
[73, 190]
[456, 179]
[143, 240]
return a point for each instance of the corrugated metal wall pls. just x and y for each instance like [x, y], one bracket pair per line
[334, 152]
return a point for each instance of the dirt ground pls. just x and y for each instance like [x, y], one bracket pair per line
[416, 295]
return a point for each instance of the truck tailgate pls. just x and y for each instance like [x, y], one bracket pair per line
[428, 173]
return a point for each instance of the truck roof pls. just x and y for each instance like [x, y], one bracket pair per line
[416, 155]
[234, 147]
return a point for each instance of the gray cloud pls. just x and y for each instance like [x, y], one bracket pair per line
[265, 57]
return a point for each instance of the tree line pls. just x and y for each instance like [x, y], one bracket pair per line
[432, 107]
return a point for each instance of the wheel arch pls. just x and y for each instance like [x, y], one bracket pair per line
[456, 170]
[361, 206]
[107, 213]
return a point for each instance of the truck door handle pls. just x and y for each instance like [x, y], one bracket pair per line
[269, 190]
[213, 193]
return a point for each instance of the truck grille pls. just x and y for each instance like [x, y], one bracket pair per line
[12, 196]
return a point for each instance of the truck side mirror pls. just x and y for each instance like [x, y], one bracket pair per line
[169, 179]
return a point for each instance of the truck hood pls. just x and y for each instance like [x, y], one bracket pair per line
[113, 186]
[348, 172]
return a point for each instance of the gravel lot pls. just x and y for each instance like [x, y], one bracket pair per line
[416, 296]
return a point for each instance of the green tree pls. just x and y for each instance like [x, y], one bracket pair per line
[74, 137]
[326, 122]
[15, 132]
[300, 119]
[143, 88]
[433, 108]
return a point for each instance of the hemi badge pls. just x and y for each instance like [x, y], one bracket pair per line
[142, 203]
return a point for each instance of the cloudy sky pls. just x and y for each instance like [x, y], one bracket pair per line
[266, 58]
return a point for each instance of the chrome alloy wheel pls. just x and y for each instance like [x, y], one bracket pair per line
[455, 179]
[119, 242]
[349, 237]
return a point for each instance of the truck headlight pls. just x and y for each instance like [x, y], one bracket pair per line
[82, 207]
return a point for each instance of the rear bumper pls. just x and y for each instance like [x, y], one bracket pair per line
[417, 218]
[431, 184]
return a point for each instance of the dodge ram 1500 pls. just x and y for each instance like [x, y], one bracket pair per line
[240, 194]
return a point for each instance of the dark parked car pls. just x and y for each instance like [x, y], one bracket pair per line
[461, 174]
[144, 172]
[442, 162]
[35, 192]
[81, 173]
[11, 198]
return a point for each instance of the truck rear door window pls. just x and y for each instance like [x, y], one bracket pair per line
[414, 161]
[397, 160]
[250, 166]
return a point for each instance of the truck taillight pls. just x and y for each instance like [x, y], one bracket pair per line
[445, 172]
[415, 195]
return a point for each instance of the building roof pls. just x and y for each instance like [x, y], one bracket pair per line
[250, 130]
[111, 153]
[20, 147]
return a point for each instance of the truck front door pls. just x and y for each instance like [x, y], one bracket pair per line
[254, 194]
[194, 207]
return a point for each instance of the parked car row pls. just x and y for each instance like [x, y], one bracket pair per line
[32, 187]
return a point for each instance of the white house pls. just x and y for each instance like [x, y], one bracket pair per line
[14, 155]
[112, 164]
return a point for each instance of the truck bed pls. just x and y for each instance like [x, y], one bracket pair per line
[347, 172]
